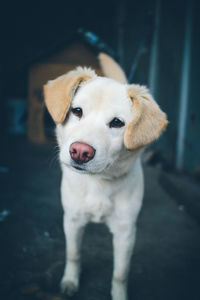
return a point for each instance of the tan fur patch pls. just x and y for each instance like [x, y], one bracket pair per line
[149, 120]
[58, 93]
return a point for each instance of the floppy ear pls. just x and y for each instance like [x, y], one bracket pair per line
[148, 121]
[59, 92]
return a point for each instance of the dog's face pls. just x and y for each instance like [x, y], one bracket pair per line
[99, 119]
[100, 111]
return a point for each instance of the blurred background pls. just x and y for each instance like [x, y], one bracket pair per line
[158, 44]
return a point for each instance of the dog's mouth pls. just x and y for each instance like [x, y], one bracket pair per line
[78, 168]
[83, 168]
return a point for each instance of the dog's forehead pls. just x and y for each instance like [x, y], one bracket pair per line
[103, 92]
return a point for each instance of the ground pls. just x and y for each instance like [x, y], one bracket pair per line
[166, 260]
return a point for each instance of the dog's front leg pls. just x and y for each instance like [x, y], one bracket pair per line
[73, 234]
[123, 243]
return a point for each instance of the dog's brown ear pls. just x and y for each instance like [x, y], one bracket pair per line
[59, 92]
[148, 121]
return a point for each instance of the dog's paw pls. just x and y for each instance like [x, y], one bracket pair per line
[68, 287]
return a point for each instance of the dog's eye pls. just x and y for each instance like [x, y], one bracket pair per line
[77, 112]
[116, 123]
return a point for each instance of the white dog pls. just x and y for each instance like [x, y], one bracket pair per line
[102, 126]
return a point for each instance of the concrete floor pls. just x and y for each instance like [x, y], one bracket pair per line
[166, 260]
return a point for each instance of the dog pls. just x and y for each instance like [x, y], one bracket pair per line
[102, 127]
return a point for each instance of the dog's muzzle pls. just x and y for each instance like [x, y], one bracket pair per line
[81, 153]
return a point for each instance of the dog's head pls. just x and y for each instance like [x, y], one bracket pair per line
[99, 120]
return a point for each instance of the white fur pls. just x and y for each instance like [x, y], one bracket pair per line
[110, 189]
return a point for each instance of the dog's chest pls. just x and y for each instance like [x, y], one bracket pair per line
[97, 207]
[90, 199]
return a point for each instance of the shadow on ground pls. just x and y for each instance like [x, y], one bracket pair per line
[166, 261]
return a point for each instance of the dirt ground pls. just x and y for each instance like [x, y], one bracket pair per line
[166, 260]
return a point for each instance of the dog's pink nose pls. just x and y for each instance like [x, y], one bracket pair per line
[81, 152]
